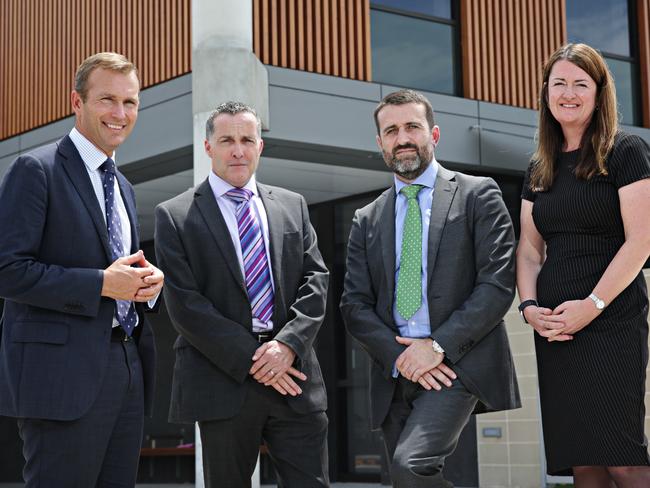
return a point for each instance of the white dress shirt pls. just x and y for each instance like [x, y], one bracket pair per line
[93, 158]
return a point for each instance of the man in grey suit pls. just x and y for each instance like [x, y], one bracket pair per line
[430, 275]
[246, 291]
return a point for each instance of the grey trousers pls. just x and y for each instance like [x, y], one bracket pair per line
[422, 429]
[297, 443]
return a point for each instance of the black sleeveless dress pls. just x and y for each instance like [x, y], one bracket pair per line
[591, 388]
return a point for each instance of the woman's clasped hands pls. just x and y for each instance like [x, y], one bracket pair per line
[563, 322]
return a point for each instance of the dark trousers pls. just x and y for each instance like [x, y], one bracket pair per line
[422, 429]
[297, 443]
[100, 449]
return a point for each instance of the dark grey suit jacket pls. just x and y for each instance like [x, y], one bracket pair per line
[470, 288]
[207, 301]
[56, 329]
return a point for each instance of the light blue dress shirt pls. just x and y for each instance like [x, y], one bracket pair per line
[418, 325]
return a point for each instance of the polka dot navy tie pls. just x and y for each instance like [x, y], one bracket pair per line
[256, 266]
[126, 315]
[409, 283]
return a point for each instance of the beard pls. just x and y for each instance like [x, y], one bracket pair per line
[409, 167]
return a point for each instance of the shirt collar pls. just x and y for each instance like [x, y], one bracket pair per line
[220, 186]
[90, 154]
[428, 178]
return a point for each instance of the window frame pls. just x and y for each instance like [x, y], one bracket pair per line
[632, 60]
[453, 22]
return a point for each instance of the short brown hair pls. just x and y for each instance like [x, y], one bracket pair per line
[107, 60]
[598, 138]
[402, 97]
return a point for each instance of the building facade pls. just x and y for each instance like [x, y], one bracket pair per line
[316, 69]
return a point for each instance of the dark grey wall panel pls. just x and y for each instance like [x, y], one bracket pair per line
[442, 103]
[506, 113]
[9, 146]
[161, 128]
[314, 82]
[459, 141]
[322, 119]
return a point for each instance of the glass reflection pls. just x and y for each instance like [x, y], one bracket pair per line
[603, 24]
[436, 8]
[412, 52]
[622, 73]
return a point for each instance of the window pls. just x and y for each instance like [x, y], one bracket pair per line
[607, 25]
[414, 44]
[435, 8]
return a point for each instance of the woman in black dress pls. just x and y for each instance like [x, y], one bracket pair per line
[585, 236]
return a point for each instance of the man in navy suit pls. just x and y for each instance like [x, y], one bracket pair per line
[76, 354]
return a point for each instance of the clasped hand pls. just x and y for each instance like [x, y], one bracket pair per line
[561, 323]
[421, 364]
[272, 366]
[123, 281]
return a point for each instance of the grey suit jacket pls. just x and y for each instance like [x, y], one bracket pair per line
[470, 288]
[207, 301]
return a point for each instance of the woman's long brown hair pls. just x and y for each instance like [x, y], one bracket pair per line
[598, 138]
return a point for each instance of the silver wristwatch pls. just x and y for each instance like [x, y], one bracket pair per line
[437, 347]
[600, 304]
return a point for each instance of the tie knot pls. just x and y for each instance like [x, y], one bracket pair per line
[411, 191]
[239, 195]
[108, 166]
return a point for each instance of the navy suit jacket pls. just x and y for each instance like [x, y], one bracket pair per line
[56, 328]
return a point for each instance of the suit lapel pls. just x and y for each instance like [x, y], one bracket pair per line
[76, 170]
[275, 218]
[443, 194]
[386, 225]
[130, 210]
[211, 213]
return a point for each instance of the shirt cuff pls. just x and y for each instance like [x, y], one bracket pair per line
[152, 303]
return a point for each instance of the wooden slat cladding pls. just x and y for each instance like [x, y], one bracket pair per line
[330, 37]
[643, 16]
[504, 45]
[43, 42]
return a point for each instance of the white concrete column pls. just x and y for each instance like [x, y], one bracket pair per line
[223, 68]
[198, 458]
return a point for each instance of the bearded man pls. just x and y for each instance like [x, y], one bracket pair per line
[430, 275]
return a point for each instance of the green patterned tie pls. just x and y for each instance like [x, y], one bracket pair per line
[409, 283]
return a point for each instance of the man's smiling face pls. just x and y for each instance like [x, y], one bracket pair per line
[108, 114]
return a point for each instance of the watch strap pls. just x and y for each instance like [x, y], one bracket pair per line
[523, 305]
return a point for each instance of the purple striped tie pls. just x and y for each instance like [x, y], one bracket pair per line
[256, 266]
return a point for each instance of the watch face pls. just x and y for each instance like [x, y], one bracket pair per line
[600, 304]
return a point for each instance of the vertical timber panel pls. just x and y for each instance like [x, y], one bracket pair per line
[330, 37]
[504, 45]
[44, 42]
[643, 16]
